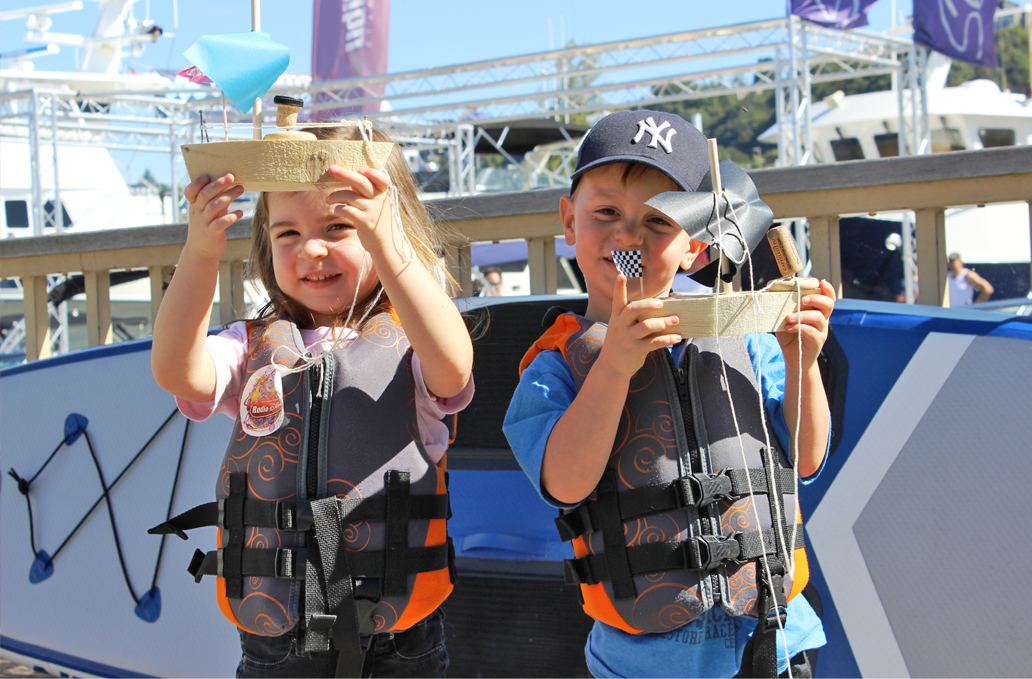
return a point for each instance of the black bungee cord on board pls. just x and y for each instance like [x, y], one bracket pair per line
[148, 607]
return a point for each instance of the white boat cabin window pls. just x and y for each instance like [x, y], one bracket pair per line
[16, 213]
[947, 139]
[49, 218]
[847, 149]
[888, 144]
[992, 138]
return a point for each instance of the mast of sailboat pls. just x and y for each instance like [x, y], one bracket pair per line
[256, 25]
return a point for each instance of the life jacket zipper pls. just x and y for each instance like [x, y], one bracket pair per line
[314, 422]
[681, 377]
[706, 521]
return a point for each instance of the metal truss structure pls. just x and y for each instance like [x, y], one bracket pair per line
[445, 107]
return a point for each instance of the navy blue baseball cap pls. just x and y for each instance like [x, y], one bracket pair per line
[661, 140]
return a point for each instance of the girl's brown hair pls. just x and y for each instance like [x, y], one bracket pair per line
[426, 236]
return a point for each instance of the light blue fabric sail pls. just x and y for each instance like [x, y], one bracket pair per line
[243, 65]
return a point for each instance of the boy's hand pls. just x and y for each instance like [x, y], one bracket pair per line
[363, 204]
[811, 323]
[629, 337]
[209, 213]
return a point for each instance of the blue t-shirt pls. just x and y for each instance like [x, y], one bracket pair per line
[712, 645]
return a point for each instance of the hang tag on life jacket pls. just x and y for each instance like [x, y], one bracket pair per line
[261, 403]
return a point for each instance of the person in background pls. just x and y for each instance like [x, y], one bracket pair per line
[493, 283]
[963, 283]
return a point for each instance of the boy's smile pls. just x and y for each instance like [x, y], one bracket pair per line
[605, 214]
[317, 258]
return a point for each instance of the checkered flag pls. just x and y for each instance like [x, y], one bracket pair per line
[628, 262]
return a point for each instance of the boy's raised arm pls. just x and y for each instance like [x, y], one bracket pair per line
[582, 439]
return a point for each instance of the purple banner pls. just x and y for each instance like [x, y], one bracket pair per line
[961, 29]
[841, 14]
[349, 40]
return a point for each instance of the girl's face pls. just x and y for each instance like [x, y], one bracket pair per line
[317, 258]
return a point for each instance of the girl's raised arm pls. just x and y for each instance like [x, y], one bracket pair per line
[432, 322]
[179, 361]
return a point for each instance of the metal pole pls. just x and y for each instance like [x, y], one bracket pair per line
[58, 205]
[926, 128]
[37, 189]
[914, 93]
[779, 105]
[808, 100]
[793, 57]
[901, 137]
[909, 268]
[175, 175]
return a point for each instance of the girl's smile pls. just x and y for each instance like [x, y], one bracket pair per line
[317, 256]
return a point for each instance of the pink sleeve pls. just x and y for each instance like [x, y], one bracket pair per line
[430, 410]
[228, 350]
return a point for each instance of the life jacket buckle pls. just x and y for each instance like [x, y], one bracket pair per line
[706, 552]
[294, 516]
[699, 490]
[219, 562]
[573, 523]
[366, 622]
[221, 523]
[578, 572]
[290, 563]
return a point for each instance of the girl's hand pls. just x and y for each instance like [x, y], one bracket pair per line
[811, 323]
[364, 204]
[209, 213]
[629, 337]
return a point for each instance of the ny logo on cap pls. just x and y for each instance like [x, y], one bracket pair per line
[649, 125]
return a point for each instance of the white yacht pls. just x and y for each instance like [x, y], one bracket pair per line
[974, 115]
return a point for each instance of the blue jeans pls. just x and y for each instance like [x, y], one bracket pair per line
[417, 652]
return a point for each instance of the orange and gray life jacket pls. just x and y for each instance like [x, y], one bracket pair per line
[671, 529]
[337, 519]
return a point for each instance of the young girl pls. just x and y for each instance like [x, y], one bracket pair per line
[340, 388]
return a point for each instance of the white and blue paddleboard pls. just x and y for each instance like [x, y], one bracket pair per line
[917, 528]
[85, 602]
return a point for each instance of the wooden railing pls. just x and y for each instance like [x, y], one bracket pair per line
[820, 193]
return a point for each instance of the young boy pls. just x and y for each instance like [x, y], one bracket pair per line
[627, 427]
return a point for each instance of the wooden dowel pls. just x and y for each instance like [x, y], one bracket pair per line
[257, 118]
[718, 188]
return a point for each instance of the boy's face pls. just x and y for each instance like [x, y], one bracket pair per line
[605, 214]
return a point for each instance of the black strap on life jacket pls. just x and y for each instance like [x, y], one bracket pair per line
[396, 547]
[232, 554]
[289, 563]
[617, 565]
[295, 516]
[335, 618]
[693, 490]
[760, 658]
[700, 553]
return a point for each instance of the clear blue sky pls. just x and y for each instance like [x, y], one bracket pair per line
[423, 33]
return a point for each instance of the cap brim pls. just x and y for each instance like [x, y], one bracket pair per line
[641, 160]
